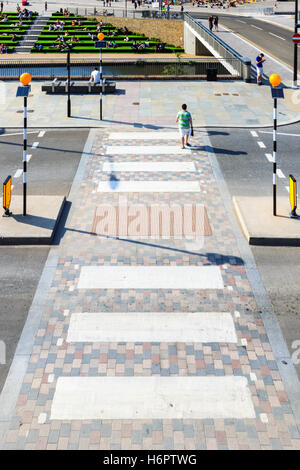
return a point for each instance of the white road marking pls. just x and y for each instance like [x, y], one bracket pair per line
[269, 156]
[18, 173]
[84, 398]
[35, 145]
[28, 157]
[241, 21]
[148, 186]
[150, 277]
[197, 327]
[280, 133]
[143, 135]
[254, 133]
[149, 166]
[261, 144]
[41, 134]
[18, 133]
[279, 173]
[276, 36]
[287, 188]
[253, 26]
[146, 150]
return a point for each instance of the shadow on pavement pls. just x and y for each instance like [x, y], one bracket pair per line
[216, 150]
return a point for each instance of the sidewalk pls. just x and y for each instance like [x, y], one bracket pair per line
[146, 103]
[221, 359]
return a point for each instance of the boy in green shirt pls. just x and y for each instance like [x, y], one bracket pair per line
[184, 120]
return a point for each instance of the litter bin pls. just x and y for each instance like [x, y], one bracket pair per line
[211, 74]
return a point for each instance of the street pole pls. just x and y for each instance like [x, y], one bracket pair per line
[295, 45]
[25, 157]
[101, 84]
[69, 83]
[274, 155]
[125, 8]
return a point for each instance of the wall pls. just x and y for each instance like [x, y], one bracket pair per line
[169, 31]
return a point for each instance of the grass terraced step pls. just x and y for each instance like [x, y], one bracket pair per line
[79, 38]
[12, 35]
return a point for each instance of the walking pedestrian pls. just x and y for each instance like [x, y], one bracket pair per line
[259, 67]
[216, 23]
[210, 22]
[46, 6]
[185, 124]
[1, 7]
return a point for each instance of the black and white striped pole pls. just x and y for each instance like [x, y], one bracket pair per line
[101, 44]
[24, 90]
[275, 80]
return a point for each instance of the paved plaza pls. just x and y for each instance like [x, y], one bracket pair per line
[145, 103]
[161, 342]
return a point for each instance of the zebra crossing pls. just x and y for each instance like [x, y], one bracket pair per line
[151, 397]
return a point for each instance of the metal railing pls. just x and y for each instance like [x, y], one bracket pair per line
[82, 68]
[235, 63]
[145, 13]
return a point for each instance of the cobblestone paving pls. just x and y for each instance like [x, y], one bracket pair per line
[52, 357]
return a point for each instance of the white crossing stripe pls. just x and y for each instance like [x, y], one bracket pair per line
[280, 174]
[254, 134]
[148, 186]
[41, 134]
[150, 277]
[276, 36]
[261, 144]
[18, 173]
[269, 156]
[35, 145]
[197, 327]
[149, 166]
[143, 135]
[253, 26]
[29, 157]
[82, 398]
[146, 150]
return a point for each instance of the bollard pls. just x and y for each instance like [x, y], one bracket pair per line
[246, 69]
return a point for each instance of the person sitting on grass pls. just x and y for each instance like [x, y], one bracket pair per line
[66, 33]
[5, 19]
[3, 49]
[14, 37]
[50, 28]
[126, 39]
[114, 44]
[114, 33]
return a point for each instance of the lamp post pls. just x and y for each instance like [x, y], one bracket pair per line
[69, 84]
[101, 37]
[24, 90]
[275, 80]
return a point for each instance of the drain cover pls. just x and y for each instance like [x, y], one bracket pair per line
[28, 111]
[136, 102]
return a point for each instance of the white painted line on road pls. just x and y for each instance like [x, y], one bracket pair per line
[28, 158]
[146, 150]
[197, 327]
[12, 187]
[280, 174]
[18, 173]
[149, 166]
[276, 36]
[148, 187]
[150, 277]
[280, 133]
[261, 144]
[143, 135]
[253, 26]
[254, 133]
[41, 134]
[241, 21]
[84, 398]
[35, 145]
[269, 157]
[18, 133]
[287, 188]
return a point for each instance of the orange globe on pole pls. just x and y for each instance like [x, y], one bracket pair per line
[275, 79]
[100, 36]
[25, 78]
